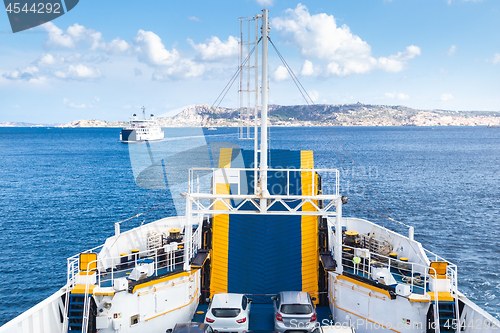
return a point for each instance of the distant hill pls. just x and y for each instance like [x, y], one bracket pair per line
[96, 123]
[302, 115]
[335, 115]
[21, 124]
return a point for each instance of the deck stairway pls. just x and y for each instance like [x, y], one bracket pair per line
[80, 302]
[446, 304]
[447, 317]
[75, 315]
[76, 308]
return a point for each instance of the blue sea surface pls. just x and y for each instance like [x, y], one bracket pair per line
[62, 190]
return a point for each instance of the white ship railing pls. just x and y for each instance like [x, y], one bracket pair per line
[170, 259]
[417, 275]
[235, 176]
[292, 192]
[196, 242]
[395, 266]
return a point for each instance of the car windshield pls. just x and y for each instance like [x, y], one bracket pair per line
[296, 309]
[226, 313]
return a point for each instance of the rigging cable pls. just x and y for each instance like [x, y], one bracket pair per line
[303, 91]
[309, 101]
[204, 122]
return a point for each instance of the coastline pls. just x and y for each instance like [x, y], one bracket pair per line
[303, 116]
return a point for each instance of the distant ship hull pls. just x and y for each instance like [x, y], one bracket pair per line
[133, 135]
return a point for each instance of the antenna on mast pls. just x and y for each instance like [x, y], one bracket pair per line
[143, 112]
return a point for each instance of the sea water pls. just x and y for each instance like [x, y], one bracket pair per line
[62, 190]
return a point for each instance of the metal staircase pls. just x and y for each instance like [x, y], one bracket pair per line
[75, 312]
[447, 318]
[80, 313]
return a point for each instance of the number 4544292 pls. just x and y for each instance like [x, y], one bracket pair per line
[36, 8]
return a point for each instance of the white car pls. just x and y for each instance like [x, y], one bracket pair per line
[229, 312]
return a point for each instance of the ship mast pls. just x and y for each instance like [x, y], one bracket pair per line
[263, 129]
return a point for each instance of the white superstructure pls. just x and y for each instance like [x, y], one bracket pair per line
[142, 129]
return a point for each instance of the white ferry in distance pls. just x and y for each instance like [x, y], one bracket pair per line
[142, 129]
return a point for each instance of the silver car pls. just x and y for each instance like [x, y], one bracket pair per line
[294, 311]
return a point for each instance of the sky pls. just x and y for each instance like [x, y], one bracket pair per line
[106, 59]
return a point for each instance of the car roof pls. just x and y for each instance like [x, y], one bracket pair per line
[295, 297]
[189, 327]
[227, 300]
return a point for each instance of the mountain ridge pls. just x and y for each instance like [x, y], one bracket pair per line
[357, 114]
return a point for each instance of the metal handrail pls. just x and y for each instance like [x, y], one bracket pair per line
[86, 298]
[195, 188]
[380, 258]
[173, 257]
[427, 270]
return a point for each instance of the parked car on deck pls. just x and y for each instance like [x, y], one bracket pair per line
[294, 311]
[229, 312]
[191, 328]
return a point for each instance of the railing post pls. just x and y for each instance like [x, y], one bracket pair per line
[117, 228]
[156, 262]
[412, 275]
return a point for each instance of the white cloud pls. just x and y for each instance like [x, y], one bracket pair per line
[397, 63]
[150, 49]
[34, 74]
[452, 50]
[70, 38]
[307, 68]
[49, 60]
[216, 50]
[194, 18]
[77, 106]
[182, 69]
[79, 72]
[280, 74]
[23, 74]
[398, 96]
[116, 46]
[495, 59]
[265, 2]
[168, 64]
[73, 57]
[77, 35]
[73, 105]
[447, 97]
[338, 50]
[56, 37]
